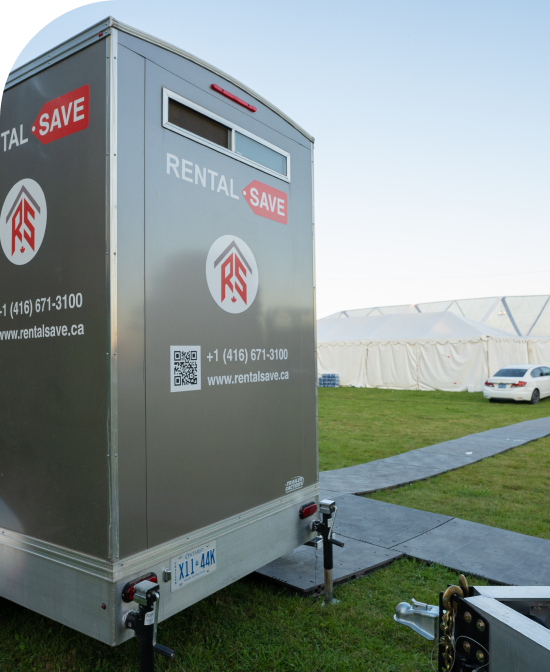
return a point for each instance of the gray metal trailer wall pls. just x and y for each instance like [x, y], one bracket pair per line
[190, 459]
[53, 390]
[133, 236]
[108, 469]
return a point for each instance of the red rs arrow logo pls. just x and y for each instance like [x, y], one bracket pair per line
[63, 116]
[267, 201]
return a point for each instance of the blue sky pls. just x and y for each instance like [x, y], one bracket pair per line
[431, 127]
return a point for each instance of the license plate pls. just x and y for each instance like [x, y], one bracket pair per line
[193, 565]
[502, 386]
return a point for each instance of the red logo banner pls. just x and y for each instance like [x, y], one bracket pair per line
[267, 201]
[63, 116]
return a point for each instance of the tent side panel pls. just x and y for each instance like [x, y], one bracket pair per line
[539, 351]
[453, 366]
[348, 360]
[506, 352]
[392, 365]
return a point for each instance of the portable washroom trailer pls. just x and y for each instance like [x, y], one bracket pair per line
[157, 329]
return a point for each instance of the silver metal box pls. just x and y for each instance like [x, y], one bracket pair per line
[157, 329]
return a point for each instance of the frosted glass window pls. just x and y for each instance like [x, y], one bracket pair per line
[201, 125]
[255, 151]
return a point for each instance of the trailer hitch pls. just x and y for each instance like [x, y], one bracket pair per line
[325, 527]
[144, 622]
[462, 632]
[420, 617]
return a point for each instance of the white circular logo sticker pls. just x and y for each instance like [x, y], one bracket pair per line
[232, 274]
[23, 221]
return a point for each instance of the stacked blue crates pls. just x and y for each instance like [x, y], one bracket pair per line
[329, 380]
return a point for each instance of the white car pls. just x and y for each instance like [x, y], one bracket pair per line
[521, 382]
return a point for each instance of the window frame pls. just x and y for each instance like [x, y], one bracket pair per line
[167, 95]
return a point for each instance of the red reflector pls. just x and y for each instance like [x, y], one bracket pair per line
[489, 384]
[130, 588]
[307, 510]
[234, 98]
[521, 383]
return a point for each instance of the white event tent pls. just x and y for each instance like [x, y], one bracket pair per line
[420, 351]
[518, 315]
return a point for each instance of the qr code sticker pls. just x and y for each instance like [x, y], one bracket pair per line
[185, 368]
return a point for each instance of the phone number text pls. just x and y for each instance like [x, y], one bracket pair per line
[244, 354]
[43, 305]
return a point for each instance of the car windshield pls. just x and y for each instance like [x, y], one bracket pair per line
[510, 373]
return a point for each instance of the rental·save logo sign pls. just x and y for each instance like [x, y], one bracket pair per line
[63, 116]
[267, 201]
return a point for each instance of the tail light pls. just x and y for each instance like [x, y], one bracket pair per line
[488, 384]
[521, 383]
[307, 510]
[129, 588]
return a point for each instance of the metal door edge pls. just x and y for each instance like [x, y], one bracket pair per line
[112, 303]
[316, 354]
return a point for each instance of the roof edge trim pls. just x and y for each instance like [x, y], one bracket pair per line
[185, 54]
[89, 35]
[59, 52]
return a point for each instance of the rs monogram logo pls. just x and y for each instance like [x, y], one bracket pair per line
[232, 274]
[23, 221]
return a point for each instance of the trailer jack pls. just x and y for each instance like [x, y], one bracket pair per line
[328, 511]
[144, 622]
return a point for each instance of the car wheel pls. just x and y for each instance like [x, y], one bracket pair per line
[536, 397]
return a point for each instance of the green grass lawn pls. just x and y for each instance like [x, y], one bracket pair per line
[359, 424]
[510, 490]
[252, 626]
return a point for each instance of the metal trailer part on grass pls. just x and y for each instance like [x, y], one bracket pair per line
[495, 628]
[157, 331]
